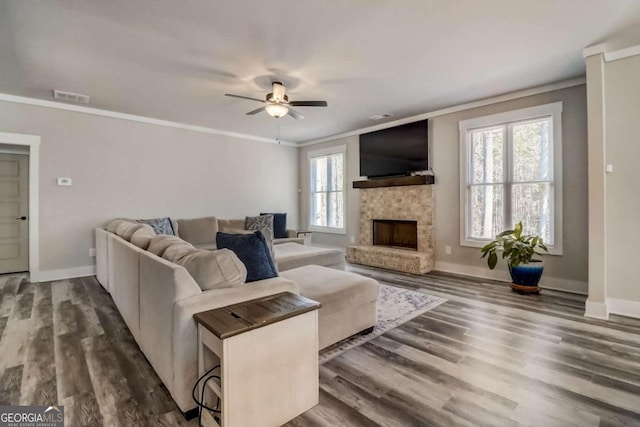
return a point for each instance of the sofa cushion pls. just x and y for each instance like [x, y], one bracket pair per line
[207, 246]
[293, 255]
[214, 269]
[113, 224]
[279, 225]
[198, 230]
[142, 236]
[253, 251]
[231, 223]
[177, 250]
[336, 290]
[160, 225]
[297, 240]
[159, 244]
[125, 229]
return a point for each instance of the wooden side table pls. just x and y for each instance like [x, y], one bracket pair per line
[267, 350]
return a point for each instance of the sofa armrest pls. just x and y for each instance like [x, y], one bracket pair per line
[185, 359]
[298, 240]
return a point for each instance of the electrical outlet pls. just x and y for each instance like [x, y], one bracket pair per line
[447, 250]
[92, 252]
[352, 239]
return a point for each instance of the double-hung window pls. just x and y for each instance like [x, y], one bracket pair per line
[327, 190]
[511, 171]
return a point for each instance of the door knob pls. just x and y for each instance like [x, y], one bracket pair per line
[22, 218]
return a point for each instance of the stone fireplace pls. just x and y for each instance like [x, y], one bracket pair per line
[388, 218]
[395, 233]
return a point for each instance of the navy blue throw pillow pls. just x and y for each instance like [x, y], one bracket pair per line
[279, 225]
[253, 251]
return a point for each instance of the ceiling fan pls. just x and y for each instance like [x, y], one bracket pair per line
[278, 104]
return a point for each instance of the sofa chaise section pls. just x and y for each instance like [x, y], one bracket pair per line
[349, 301]
[292, 255]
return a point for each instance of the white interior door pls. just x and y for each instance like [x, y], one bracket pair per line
[14, 213]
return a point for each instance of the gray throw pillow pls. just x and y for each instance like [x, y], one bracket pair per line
[264, 224]
[160, 225]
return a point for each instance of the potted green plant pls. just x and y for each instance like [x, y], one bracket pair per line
[518, 249]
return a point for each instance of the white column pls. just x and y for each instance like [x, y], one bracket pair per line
[596, 305]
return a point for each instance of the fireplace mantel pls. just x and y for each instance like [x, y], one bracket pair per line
[397, 181]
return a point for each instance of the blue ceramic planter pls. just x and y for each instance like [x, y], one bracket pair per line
[527, 274]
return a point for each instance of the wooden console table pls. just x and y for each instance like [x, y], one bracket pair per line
[267, 350]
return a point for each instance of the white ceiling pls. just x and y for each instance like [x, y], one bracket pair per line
[174, 60]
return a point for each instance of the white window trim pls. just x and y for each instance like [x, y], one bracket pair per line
[326, 152]
[555, 111]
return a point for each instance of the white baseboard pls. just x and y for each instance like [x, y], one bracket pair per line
[64, 273]
[624, 307]
[554, 283]
[596, 310]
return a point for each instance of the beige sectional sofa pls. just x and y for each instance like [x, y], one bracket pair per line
[157, 299]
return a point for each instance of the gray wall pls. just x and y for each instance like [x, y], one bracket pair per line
[130, 169]
[568, 271]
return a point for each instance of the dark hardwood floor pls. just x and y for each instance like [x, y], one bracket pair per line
[485, 357]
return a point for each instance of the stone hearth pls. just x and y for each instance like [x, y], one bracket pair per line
[408, 203]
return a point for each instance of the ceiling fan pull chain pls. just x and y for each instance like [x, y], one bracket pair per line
[278, 130]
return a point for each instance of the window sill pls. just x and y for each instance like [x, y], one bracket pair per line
[553, 250]
[329, 230]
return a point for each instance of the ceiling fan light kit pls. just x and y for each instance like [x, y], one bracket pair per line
[276, 110]
[278, 104]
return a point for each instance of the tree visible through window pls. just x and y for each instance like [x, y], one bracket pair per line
[327, 188]
[510, 177]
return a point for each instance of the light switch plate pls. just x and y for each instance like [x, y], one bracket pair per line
[65, 182]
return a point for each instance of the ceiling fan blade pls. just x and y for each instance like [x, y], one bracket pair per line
[251, 113]
[293, 113]
[244, 97]
[308, 103]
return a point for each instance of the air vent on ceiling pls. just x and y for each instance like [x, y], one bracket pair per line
[381, 116]
[71, 97]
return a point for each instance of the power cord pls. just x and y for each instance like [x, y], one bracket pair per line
[200, 403]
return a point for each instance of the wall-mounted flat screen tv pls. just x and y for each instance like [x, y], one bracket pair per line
[395, 151]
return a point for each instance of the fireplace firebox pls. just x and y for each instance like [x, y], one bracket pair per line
[395, 233]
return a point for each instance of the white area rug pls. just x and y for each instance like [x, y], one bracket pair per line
[395, 307]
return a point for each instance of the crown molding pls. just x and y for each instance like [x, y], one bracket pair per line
[134, 118]
[594, 50]
[467, 106]
[613, 55]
